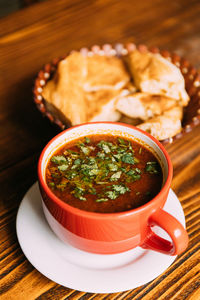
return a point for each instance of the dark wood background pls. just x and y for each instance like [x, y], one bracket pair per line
[32, 37]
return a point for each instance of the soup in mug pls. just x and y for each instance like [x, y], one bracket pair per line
[104, 174]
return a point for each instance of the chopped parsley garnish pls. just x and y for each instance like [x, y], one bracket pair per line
[128, 158]
[152, 167]
[121, 189]
[85, 150]
[112, 194]
[101, 155]
[113, 167]
[117, 190]
[87, 140]
[77, 161]
[117, 156]
[63, 168]
[134, 174]
[103, 169]
[59, 159]
[102, 200]
[115, 176]
[72, 174]
[78, 193]
[104, 146]
[121, 141]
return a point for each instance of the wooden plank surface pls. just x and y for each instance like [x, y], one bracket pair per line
[29, 39]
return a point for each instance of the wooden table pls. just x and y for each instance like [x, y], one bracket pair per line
[32, 37]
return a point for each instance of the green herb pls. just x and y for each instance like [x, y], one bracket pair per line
[71, 175]
[87, 140]
[113, 147]
[63, 168]
[134, 171]
[79, 192]
[117, 156]
[137, 193]
[121, 150]
[92, 161]
[77, 161]
[113, 167]
[130, 147]
[102, 200]
[101, 155]
[134, 174]
[82, 198]
[61, 186]
[107, 158]
[117, 189]
[74, 167]
[92, 191]
[87, 180]
[121, 189]
[152, 167]
[85, 150]
[112, 195]
[105, 148]
[121, 141]
[113, 159]
[52, 184]
[72, 153]
[89, 170]
[93, 172]
[116, 176]
[128, 158]
[58, 159]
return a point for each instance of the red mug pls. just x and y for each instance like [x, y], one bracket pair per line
[108, 233]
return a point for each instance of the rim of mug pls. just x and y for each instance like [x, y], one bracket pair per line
[96, 215]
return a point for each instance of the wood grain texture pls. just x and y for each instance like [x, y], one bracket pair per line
[34, 36]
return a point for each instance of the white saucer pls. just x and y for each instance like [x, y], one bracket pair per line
[84, 271]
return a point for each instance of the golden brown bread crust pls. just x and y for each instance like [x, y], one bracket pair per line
[65, 91]
[105, 72]
[143, 105]
[166, 125]
[102, 105]
[103, 75]
[154, 74]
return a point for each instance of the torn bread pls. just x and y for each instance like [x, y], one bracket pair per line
[166, 125]
[129, 88]
[105, 72]
[130, 121]
[143, 105]
[64, 91]
[154, 74]
[101, 106]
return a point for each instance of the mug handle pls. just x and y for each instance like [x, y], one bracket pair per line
[175, 230]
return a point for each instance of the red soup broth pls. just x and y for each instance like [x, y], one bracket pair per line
[104, 174]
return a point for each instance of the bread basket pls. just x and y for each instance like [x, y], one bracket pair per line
[191, 117]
